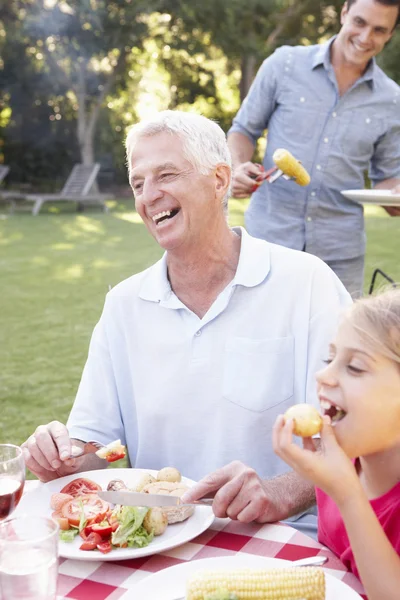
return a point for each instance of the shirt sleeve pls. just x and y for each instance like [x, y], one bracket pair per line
[96, 413]
[329, 300]
[385, 162]
[254, 114]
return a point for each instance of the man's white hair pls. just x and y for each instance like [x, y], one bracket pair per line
[203, 141]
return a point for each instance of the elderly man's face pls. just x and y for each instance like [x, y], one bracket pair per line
[176, 203]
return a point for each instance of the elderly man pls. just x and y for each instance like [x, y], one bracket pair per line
[336, 110]
[193, 359]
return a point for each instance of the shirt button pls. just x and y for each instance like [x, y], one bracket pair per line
[309, 219]
[312, 193]
[326, 140]
[198, 333]
[334, 114]
[368, 120]
[302, 99]
[318, 167]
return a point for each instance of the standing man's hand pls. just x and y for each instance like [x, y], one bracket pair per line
[243, 179]
[394, 211]
[239, 494]
[47, 451]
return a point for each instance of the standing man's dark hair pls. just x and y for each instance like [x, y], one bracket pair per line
[385, 3]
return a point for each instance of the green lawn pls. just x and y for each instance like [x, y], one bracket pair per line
[55, 271]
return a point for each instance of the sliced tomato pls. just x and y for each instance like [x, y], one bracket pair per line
[114, 526]
[104, 530]
[93, 507]
[104, 547]
[114, 455]
[91, 543]
[80, 486]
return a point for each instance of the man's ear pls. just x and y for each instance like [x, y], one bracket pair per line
[343, 13]
[223, 175]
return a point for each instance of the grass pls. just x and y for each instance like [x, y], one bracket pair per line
[55, 271]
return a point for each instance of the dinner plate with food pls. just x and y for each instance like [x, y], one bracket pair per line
[95, 526]
[238, 577]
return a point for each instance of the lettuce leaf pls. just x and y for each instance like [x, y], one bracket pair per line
[130, 530]
[68, 535]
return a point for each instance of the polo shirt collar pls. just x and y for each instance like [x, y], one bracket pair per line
[253, 267]
[323, 57]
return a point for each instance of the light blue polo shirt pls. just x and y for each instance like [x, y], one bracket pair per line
[337, 138]
[198, 393]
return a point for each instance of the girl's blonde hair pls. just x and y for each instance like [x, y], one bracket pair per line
[377, 321]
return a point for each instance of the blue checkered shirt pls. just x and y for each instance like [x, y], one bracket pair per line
[337, 138]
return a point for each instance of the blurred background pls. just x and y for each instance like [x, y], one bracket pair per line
[75, 74]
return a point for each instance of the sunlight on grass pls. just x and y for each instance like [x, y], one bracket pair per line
[84, 227]
[72, 272]
[132, 217]
[62, 246]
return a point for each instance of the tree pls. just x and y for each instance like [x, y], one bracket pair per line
[82, 47]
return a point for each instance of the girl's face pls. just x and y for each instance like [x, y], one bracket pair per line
[360, 390]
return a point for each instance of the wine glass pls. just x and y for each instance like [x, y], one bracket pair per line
[12, 478]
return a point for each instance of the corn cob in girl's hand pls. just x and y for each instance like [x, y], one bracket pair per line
[293, 583]
[286, 162]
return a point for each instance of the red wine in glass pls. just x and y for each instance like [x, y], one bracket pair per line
[12, 478]
[10, 494]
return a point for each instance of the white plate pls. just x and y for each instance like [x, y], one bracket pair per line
[37, 502]
[382, 197]
[170, 583]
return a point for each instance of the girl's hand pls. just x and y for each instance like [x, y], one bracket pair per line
[328, 467]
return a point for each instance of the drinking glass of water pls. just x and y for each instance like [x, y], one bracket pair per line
[12, 478]
[28, 558]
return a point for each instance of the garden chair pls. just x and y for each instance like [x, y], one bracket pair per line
[3, 172]
[77, 188]
[7, 196]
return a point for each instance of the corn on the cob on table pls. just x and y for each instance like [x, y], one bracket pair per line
[293, 583]
[286, 162]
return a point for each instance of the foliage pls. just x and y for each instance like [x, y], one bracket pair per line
[75, 74]
[389, 59]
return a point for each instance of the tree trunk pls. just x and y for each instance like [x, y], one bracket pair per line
[248, 74]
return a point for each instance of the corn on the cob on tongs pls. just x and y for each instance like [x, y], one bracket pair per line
[294, 583]
[286, 166]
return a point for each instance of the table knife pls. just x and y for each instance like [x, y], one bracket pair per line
[128, 498]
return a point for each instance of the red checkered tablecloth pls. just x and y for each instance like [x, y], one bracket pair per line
[86, 580]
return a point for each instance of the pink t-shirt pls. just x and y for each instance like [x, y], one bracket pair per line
[332, 532]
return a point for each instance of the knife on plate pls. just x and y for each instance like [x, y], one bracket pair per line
[128, 498]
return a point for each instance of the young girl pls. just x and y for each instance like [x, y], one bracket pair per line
[357, 467]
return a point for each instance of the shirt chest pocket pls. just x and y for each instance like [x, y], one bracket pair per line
[297, 115]
[358, 133]
[258, 374]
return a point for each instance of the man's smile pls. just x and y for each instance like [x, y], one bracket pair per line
[165, 215]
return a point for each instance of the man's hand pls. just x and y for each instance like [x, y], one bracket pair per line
[394, 211]
[240, 494]
[47, 451]
[243, 179]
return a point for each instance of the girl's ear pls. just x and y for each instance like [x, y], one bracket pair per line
[222, 179]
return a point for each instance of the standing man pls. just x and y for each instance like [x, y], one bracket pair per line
[336, 111]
